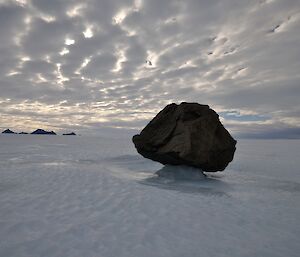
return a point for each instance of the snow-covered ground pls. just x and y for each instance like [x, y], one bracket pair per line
[96, 197]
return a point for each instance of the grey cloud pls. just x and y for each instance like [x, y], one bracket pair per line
[53, 7]
[46, 38]
[233, 55]
[100, 64]
[11, 20]
[38, 66]
[263, 97]
[273, 133]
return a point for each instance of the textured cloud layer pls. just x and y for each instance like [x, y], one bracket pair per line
[92, 64]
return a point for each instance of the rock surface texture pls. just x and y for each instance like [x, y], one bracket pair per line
[187, 134]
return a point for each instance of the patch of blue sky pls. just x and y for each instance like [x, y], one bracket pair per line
[235, 115]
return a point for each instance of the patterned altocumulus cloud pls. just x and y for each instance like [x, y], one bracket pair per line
[99, 64]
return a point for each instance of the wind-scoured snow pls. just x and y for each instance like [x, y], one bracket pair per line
[93, 196]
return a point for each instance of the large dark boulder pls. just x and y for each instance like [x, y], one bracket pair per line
[187, 134]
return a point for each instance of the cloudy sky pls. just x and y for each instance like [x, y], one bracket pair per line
[97, 65]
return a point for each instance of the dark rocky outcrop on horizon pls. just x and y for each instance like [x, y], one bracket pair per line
[43, 132]
[23, 133]
[69, 134]
[187, 134]
[8, 131]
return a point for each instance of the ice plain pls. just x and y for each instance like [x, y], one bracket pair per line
[95, 196]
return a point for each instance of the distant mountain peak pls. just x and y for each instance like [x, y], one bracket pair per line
[69, 134]
[8, 131]
[43, 132]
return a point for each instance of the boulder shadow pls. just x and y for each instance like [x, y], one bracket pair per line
[205, 184]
